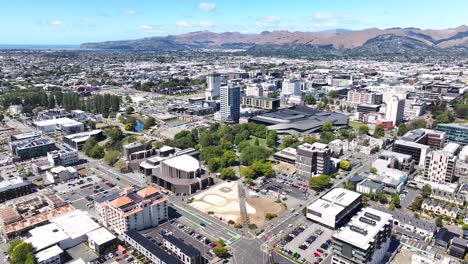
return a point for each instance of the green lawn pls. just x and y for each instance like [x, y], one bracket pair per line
[261, 141]
[355, 124]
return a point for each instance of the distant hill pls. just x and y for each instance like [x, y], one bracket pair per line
[330, 42]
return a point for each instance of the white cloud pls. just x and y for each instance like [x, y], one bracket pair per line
[268, 22]
[188, 24]
[55, 22]
[151, 29]
[322, 16]
[130, 12]
[207, 7]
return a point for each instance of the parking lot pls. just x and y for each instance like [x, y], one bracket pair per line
[307, 244]
[187, 234]
[286, 184]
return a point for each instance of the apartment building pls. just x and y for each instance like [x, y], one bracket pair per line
[13, 188]
[365, 97]
[457, 133]
[31, 147]
[63, 157]
[135, 210]
[365, 239]
[395, 110]
[230, 103]
[261, 102]
[313, 159]
[184, 252]
[440, 164]
[148, 249]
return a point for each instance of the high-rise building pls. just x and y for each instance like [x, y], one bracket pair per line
[213, 82]
[395, 110]
[313, 159]
[291, 87]
[134, 210]
[254, 90]
[365, 239]
[440, 164]
[230, 103]
[457, 133]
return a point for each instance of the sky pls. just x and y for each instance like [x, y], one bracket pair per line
[78, 21]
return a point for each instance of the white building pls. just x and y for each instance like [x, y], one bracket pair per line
[333, 207]
[100, 239]
[64, 157]
[61, 174]
[413, 109]
[50, 255]
[365, 239]
[395, 110]
[135, 210]
[213, 82]
[291, 87]
[440, 164]
[65, 124]
[254, 90]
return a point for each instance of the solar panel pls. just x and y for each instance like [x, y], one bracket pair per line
[358, 230]
[372, 216]
[367, 221]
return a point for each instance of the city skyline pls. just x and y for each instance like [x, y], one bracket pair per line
[57, 22]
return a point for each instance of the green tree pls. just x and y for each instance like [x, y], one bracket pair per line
[395, 200]
[439, 222]
[416, 205]
[363, 130]
[149, 122]
[220, 250]
[113, 133]
[21, 253]
[309, 99]
[229, 158]
[345, 165]
[391, 207]
[289, 141]
[253, 153]
[129, 110]
[402, 129]
[89, 144]
[426, 191]
[111, 157]
[227, 173]
[97, 152]
[373, 170]
[379, 131]
[327, 126]
[247, 172]
[319, 182]
[271, 139]
[215, 164]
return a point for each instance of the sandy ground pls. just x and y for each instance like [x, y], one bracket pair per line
[223, 200]
[263, 206]
[284, 167]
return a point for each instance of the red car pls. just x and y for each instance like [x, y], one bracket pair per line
[316, 254]
[320, 250]
[212, 245]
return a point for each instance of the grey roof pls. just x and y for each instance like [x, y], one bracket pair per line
[372, 184]
[151, 247]
[409, 219]
[184, 248]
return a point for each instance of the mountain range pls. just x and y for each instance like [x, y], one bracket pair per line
[332, 42]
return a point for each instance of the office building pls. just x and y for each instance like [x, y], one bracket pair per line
[456, 133]
[184, 252]
[417, 151]
[66, 125]
[414, 109]
[27, 135]
[395, 110]
[63, 157]
[365, 239]
[356, 97]
[300, 120]
[101, 239]
[13, 188]
[368, 186]
[76, 141]
[334, 207]
[261, 102]
[52, 255]
[458, 247]
[135, 210]
[230, 103]
[425, 136]
[181, 174]
[148, 249]
[254, 90]
[213, 82]
[291, 87]
[61, 174]
[440, 164]
[31, 147]
[313, 159]
[368, 108]
[131, 148]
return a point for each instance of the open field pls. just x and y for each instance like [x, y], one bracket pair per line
[355, 124]
[223, 200]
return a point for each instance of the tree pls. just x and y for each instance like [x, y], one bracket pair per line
[89, 144]
[271, 139]
[113, 133]
[373, 170]
[220, 250]
[2, 117]
[110, 157]
[309, 99]
[229, 158]
[319, 182]
[269, 216]
[227, 173]
[215, 164]
[247, 172]
[129, 110]
[288, 141]
[426, 191]
[345, 165]
[327, 126]
[391, 207]
[402, 129]
[20, 252]
[381, 197]
[253, 153]
[416, 205]
[97, 152]
[439, 222]
[395, 200]
[363, 130]
[149, 122]
[379, 131]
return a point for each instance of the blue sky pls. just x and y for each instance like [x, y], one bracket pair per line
[77, 21]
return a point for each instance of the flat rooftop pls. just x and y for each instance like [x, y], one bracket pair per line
[101, 236]
[363, 227]
[183, 162]
[341, 196]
